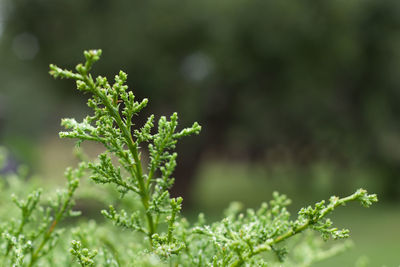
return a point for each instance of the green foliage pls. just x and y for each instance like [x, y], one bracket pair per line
[35, 233]
[113, 128]
[84, 256]
[240, 238]
[145, 176]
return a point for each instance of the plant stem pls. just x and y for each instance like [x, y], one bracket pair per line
[47, 236]
[144, 192]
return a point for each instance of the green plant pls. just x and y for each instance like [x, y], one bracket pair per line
[145, 176]
[34, 235]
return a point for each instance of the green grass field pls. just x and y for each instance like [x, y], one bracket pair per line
[376, 235]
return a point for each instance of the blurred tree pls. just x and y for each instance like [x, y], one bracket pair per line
[318, 78]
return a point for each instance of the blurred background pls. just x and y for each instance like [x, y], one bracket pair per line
[302, 97]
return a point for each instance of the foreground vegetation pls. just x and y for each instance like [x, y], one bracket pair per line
[138, 163]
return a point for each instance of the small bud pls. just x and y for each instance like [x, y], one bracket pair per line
[123, 76]
[80, 68]
[179, 200]
[81, 85]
